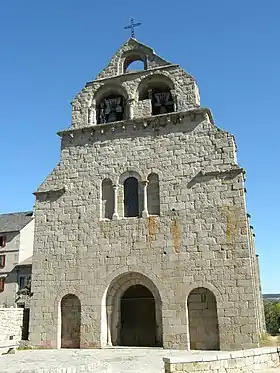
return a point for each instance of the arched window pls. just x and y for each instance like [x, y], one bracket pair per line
[158, 90]
[153, 195]
[111, 109]
[107, 199]
[131, 200]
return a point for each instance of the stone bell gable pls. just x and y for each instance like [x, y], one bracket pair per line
[134, 89]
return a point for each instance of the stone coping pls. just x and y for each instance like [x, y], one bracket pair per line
[139, 73]
[221, 355]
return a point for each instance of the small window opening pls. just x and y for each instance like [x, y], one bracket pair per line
[131, 199]
[135, 66]
[2, 261]
[153, 195]
[24, 282]
[135, 63]
[2, 241]
[107, 199]
[2, 284]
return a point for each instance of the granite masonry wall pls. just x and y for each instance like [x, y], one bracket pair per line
[249, 361]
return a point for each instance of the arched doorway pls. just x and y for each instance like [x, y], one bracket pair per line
[121, 297]
[70, 321]
[203, 320]
[138, 317]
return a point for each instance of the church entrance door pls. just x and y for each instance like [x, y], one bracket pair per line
[138, 317]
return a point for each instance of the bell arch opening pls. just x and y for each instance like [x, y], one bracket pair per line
[70, 309]
[158, 89]
[110, 102]
[133, 312]
[203, 320]
[111, 109]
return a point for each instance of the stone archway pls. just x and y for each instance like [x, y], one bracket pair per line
[203, 320]
[70, 321]
[122, 316]
[138, 317]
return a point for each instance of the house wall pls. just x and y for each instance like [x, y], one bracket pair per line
[11, 250]
[26, 241]
[19, 246]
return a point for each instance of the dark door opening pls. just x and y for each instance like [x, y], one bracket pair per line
[138, 317]
[25, 324]
[70, 321]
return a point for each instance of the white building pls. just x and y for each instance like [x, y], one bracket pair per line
[16, 248]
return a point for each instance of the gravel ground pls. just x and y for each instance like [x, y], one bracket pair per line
[119, 360]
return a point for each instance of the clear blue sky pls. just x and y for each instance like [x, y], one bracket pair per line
[49, 49]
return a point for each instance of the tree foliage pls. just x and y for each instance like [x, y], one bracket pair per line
[272, 317]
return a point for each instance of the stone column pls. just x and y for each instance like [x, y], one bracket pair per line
[115, 214]
[93, 111]
[174, 96]
[109, 323]
[130, 104]
[92, 114]
[145, 212]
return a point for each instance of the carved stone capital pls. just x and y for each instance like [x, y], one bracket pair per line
[145, 183]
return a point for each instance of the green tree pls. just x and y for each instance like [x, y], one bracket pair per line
[272, 317]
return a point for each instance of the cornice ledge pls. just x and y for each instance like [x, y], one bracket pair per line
[232, 171]
[57, 190]
[174, 117]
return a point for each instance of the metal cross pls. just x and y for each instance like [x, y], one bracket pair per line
[132, 26]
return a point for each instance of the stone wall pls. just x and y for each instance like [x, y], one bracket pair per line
[248, 361]
[10, 325]
[199, 240]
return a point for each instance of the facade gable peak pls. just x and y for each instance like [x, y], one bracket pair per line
[132, 50]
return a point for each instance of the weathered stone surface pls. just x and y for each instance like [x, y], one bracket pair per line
[247, 361]
[10, 328]
[189, 231]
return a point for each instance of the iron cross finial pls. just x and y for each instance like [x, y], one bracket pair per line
[132, 26]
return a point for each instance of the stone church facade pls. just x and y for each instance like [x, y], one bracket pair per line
[141, 231]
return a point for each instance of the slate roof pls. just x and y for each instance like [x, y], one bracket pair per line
[15, 221]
